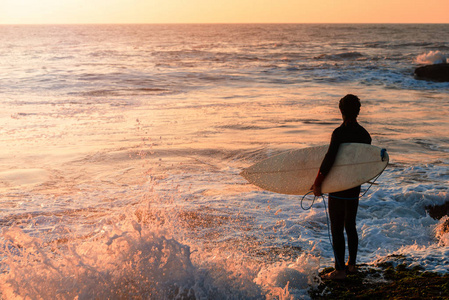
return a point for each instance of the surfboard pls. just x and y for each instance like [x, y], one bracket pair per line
[294, 172]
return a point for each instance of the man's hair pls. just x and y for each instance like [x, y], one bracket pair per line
[350, 106]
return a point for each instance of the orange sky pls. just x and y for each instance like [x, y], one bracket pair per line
[223, 11]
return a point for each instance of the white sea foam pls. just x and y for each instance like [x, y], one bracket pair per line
[120, 261]
[432, 57]
[290, 280]
[135, 254]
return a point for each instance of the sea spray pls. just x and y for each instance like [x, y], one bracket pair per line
[442, 231]
[123, 259]
[432, 57]
[136, 253]
[290, 280]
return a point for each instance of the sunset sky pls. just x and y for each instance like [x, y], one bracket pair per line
[223, 11]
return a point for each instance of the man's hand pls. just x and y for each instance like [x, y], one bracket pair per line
[316, 187]
[316, 190]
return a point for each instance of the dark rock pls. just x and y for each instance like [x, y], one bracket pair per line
[438, 211]
[399, 283]
[438, 72]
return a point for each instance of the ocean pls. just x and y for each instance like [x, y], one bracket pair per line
[121, 148]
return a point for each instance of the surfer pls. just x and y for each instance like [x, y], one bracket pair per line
[343, 205]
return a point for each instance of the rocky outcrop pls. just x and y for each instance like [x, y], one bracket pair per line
[438, 211]
[438, 72]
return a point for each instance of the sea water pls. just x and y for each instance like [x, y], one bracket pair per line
[121, 147]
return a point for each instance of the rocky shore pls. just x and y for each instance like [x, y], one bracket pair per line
[385, 281]
[391, 278]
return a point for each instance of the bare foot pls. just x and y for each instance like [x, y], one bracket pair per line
[335, 275]
[352, 269]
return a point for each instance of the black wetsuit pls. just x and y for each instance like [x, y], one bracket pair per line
[342, 212]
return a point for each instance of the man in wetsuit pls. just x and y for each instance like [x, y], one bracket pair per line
[343, 205]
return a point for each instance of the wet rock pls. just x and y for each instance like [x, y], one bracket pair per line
[385, 282]
[438, 211]
[438, 72]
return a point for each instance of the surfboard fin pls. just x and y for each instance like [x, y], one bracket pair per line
[382, 153]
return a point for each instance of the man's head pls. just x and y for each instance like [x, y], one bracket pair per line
[350, 106]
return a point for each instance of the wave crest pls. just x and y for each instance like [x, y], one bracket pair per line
[432, 57]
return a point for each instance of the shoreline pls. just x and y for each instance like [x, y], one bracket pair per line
[385, 281]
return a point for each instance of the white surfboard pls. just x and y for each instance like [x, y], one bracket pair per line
[294, 172]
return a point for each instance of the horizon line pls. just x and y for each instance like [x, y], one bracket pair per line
[240, 23]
